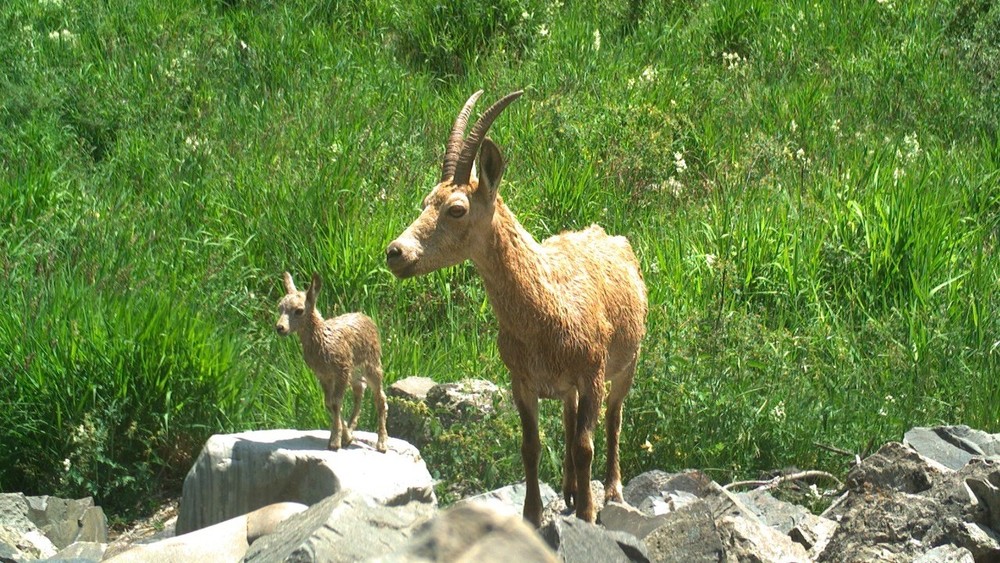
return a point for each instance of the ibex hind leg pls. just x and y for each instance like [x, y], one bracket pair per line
[620, 387]
[375, 381]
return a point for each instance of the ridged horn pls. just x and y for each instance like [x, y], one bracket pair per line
[470, 147]
[454, 146]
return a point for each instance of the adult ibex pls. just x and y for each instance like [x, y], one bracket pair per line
[571, 310]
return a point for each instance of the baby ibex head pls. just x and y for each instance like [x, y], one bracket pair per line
[296, 307]
[459, 209]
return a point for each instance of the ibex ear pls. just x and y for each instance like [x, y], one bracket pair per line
[289, 284]
[314, 288]
[491, 166]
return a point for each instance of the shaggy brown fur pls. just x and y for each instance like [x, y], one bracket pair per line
[572, 314]
[340, 351]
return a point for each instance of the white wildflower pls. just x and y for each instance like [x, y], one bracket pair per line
[382, 195]
[335, 148]
[778, 412]
[648, 74]
[525, 15]
[793, 126]
[679, 164]
[674, 186]
[543, 30]
[711, 260]
[67, 464]
[732, 60]
[835, 126]
[898, 174]
[597, 39]
[912, 146]
[800, 154]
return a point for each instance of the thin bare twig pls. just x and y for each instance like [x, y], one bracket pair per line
[834, 449]
[772, 483]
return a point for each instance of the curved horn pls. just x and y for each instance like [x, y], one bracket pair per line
[454, 146]
[470, 147]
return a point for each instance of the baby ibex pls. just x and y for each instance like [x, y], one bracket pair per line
[571, 310]
[340, 351]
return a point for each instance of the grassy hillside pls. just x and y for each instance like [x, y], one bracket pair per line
[812, 188]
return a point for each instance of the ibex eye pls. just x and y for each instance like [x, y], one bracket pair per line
[457, 211]
[299, 311]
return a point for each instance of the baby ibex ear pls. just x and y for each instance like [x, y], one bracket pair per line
[490, 166]
[314, 288]
[289, 284]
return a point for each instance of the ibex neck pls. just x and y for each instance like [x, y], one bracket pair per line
[311, 334]
[514, 273]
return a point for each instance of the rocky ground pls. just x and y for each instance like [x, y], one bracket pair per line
[279, 495]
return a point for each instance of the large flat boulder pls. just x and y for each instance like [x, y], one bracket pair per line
[239, 473]
[223, 542]
[953, 446]
[347, 526]
[474, 532]
[509, 500]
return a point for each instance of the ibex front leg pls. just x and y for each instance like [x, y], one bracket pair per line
[334, 394]
[531, 447]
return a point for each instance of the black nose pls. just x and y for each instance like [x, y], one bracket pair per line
[394, 251]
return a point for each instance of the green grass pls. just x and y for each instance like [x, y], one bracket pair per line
[822, 267]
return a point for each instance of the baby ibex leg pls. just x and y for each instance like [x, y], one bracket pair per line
[378, 395]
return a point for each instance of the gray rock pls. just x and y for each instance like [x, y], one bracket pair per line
[238, 473]
[8, 553]
[778, 514]
[946, 554]
[28, 544]
[466, 400]
[66, 521]
[14, 510]
[509, 500]
[624, 518]
[894, 466]
[473, 532]
[225, 541]
[887, 526]
[725, 503]
[655, 483]
[953, 446]
[689, 535]
[557, 506]
[987, 495]
[81, 551]
[413, 388]
[813, 533]
[347, 526]
[577, 541]
[748, 539]
[668, 502]
[981, 541]
[410, 421]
